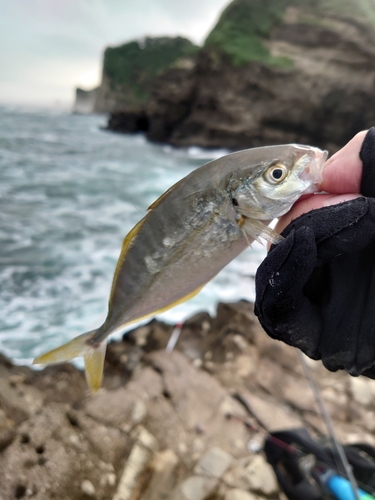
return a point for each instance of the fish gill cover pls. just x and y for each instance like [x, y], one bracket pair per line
[245, 24]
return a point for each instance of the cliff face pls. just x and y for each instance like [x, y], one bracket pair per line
[270, 72]
[85, 101]
[129, 71]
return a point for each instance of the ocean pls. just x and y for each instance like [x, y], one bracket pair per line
[69, 193]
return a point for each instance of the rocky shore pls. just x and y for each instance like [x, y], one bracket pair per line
[169, 425]
[269, 72]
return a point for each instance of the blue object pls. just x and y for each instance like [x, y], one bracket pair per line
[342, 489]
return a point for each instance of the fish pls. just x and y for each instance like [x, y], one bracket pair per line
[191, 232]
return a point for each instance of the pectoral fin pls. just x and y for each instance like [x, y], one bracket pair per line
[256, 230]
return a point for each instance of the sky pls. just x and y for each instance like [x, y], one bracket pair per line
[49, 47]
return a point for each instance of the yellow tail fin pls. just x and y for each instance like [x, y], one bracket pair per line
[93, 357]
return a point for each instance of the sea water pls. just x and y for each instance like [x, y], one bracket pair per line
[69, 193]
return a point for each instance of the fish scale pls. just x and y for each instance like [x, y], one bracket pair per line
[191, 232]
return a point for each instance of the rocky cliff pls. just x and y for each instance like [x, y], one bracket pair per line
[270, 72]
[130, 69]
[85, 101]
[169, 425]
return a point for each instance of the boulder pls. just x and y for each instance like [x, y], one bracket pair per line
[53, 457]
[165, 427]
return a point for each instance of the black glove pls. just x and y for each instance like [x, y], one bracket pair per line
[316, 289]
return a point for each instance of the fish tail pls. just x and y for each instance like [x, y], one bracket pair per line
[93, 355]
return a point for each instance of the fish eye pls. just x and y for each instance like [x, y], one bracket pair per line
[276, 173]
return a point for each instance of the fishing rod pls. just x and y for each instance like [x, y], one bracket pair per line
[323, 411]
[326, 475]
[327, 419]
[173, 339]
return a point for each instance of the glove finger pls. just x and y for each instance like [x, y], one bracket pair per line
[370, 372]
[367, 155]
[281, 305]
[346, 227]
[347, 305]
[324, 310]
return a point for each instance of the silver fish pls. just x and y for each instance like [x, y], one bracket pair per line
[191, 232]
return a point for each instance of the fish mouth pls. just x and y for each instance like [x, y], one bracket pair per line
[312, 174]
[321, 155]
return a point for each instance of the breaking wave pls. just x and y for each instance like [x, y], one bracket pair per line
[69, 193]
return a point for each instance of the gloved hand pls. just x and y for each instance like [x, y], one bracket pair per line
[316, 289]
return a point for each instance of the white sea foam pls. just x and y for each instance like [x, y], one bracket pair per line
[207, 154]
[69, 193]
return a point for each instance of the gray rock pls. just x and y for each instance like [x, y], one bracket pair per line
[52, 456]
[270, 414]
[55, 448]
[213, 463]
[236, 476]
[85, 101]
[108, 442]
[88, 488]
[136, 465]
[195, 488]
[194, 400]
[298, 393]
[260, 476]
[7, 430]
[363, 390]
[18, 400]
[163, 476]
[125, 406]
[237, 494]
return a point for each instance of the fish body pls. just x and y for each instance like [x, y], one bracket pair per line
[191, 232]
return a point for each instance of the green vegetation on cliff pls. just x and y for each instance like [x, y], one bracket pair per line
[245, 24]
[241, 33]
[242, 26]
[135, 64]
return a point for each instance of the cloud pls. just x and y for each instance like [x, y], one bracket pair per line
[54, 44]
